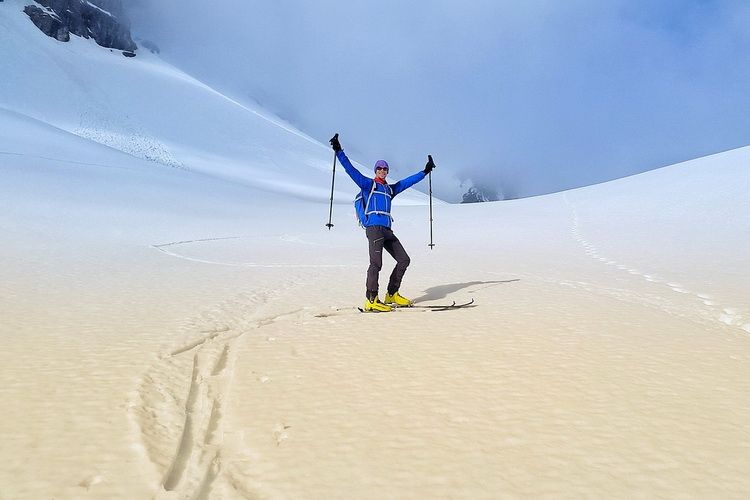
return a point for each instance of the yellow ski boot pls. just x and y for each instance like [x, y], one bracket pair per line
[375, 305]
[397, 300]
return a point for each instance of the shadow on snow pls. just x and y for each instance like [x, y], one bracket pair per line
[442, 291]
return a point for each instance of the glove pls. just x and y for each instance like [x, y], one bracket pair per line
[430, 165]
[335, 143]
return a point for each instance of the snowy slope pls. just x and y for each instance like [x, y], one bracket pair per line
[153, 111]
[680, 229]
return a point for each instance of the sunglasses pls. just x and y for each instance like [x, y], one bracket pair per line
[382, 168]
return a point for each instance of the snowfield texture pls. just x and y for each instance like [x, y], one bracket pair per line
[178, 322]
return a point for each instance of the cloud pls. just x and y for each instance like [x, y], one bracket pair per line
[527, 97]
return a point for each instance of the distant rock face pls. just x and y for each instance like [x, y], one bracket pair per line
[102, 20]
[479, 195]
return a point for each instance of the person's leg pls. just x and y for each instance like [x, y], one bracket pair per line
[394, 247]
[375, 239]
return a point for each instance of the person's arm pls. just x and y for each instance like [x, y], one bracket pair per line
[359, 179]
[408, 182]
[405, 184]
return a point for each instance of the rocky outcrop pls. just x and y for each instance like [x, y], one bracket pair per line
[102, 20]
[479, 195]
[48, 22]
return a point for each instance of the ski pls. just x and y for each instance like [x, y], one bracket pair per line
[445, 307]
[436, 307]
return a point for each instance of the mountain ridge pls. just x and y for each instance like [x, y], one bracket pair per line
[102, 20]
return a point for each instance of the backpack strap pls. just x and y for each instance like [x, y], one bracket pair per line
[367, 203]
[378, 212]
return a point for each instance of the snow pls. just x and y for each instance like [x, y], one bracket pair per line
[100, 9]
[172, 300]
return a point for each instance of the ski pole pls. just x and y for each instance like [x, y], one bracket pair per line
[333, 180]
[431, 245]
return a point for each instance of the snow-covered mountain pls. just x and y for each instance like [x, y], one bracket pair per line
[150, 110]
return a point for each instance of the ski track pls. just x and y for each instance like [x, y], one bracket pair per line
[178, 409]
[286, 238]
[72, 162]
[180, 401]
[716, 312]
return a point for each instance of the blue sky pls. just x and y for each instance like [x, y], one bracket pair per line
[524, 97]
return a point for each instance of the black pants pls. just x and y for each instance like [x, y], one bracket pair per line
[380, 237]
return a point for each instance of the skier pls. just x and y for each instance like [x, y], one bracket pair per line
[377, 195]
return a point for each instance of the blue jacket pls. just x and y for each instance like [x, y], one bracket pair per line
[378, 209]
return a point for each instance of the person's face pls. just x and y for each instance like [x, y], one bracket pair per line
[381, 172]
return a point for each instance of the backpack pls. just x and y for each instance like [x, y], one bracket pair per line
[360, 206]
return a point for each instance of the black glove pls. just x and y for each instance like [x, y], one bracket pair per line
[335, 143]
[430, 165]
